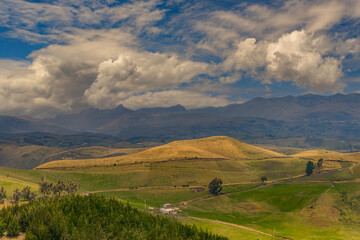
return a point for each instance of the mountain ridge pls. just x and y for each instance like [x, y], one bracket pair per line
[307, 116]
[10, 124]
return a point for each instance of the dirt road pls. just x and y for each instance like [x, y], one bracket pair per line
[239, 226]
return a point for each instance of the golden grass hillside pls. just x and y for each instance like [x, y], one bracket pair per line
[315, 154]
[206, 148]
[91, 152]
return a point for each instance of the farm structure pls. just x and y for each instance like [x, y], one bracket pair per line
[168, 211]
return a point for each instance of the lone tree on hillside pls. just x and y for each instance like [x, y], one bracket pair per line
[319, 164]
[48, 189]
[309, 168]
[215, 186]
[263, 179]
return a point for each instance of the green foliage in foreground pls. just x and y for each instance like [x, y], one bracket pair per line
[92, 217]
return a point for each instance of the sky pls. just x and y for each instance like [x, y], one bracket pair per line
[63, 56]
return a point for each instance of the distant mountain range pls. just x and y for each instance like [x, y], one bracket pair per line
[9, 124]
[308, 115]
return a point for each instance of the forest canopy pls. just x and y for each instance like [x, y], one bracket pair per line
[91, 217]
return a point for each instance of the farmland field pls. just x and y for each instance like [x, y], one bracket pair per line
[290, 204]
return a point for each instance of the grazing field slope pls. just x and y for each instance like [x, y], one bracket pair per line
[315, 154]
[289, 204]
[30, 156]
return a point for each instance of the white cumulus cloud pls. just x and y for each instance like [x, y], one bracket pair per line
[100, 68]
[136, 72]
[299, 56]
[138, 53]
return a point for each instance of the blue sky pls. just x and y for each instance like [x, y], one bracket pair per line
[62, 56]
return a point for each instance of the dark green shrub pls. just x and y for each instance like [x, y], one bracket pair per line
[2, 228]
[309, 168]
[215, 186]
[13, 228]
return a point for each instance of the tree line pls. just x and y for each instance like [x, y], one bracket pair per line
[92, 217]
[25, 194]
[47, 189]
[310, 166]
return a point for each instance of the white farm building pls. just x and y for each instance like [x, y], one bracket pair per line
[168, 211]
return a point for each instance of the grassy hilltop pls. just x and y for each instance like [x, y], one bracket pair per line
[189, 162]
[324, 205]
[207, 148]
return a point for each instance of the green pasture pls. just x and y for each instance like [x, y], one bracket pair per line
[156, 198]
[345, 174]
[233, 233]
[240, 187]
[276, 209]
[11, 185]
[176, 173]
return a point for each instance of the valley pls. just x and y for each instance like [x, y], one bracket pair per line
[289, 204]
[179, 120]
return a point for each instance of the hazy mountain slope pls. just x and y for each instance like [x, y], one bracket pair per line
[267, 108]
[10, 124]
[311, 106]
[25, 157]
[90, 119]
[91, 152]
[309, 115]
[190, 124]
[60, 140]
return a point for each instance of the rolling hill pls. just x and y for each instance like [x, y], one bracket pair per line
[325, 154]
[90, 119]
[30, 156]
[194, 162]
[207, 148]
